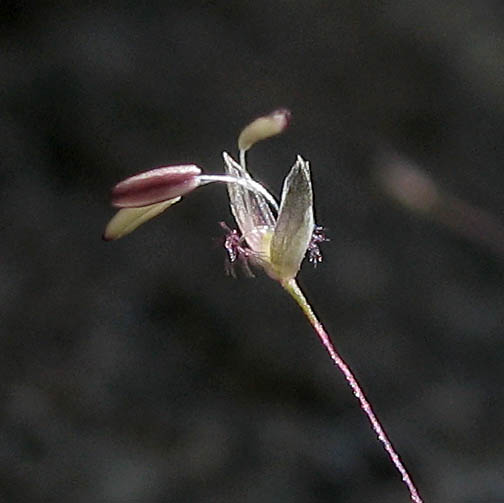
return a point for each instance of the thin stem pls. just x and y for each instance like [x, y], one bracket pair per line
[296, 293]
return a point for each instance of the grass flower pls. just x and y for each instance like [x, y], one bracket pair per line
[273, 236]
[277, 243]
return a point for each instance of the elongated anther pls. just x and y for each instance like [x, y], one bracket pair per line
[264, 127]
[155, 185]
[126, 220]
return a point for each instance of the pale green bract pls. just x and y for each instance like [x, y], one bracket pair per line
[279, 244]
[295, 223]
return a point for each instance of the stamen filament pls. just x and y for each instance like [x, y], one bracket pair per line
[243, 162]
[248, 183]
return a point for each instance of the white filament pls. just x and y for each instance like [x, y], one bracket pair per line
[248, 183]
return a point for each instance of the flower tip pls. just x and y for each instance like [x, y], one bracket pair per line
[264, 127]
[155, 185]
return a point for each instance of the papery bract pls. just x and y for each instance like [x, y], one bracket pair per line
[250, 210]
[295, 223]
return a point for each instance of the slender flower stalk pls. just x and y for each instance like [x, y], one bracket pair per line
[272, 236]
[292, 288]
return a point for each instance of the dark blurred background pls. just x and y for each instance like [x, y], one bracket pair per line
[136, 371]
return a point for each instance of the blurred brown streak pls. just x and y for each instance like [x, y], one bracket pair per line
[412, 187]
[473, 223]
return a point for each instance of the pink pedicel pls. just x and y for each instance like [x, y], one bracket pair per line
[155, 185]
